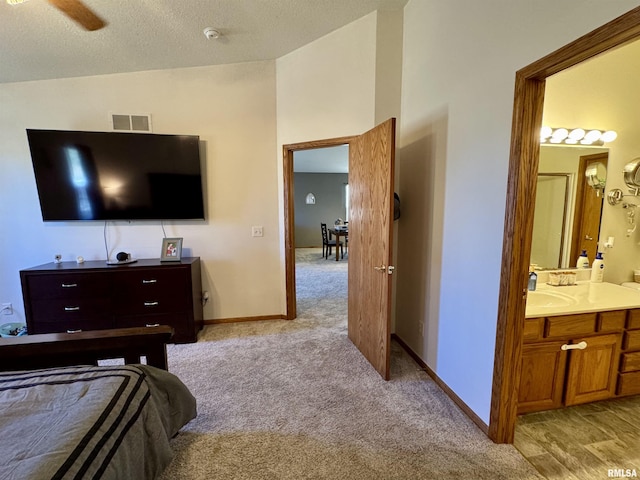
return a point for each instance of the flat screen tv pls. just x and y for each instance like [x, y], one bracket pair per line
[116, 176]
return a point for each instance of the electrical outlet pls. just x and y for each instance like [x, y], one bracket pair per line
[7, 309]
[421, 328]
[256, 231]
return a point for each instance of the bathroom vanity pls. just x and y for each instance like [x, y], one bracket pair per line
[581, 344]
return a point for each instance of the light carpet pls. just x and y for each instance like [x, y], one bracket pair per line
[296, 400]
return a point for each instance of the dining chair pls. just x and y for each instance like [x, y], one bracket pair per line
[327, 244]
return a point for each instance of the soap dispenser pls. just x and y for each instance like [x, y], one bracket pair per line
[583, 260]
[533, 279]
[597, 269]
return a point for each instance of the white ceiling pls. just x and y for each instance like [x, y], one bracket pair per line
[38, 42]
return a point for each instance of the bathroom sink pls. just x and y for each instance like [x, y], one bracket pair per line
[539, 298]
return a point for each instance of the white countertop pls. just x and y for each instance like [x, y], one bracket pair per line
[585, 297]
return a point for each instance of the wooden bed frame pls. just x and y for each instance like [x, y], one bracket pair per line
[50, 350]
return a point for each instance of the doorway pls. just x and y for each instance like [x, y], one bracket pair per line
[523, 166]
[289, 212]
[371, 208]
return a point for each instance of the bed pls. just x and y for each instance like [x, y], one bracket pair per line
[89, 421]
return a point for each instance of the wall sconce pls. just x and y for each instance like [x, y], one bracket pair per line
[631, 174]
[576, 137]
[310, 199]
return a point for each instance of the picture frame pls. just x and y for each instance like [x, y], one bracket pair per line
[171, 250]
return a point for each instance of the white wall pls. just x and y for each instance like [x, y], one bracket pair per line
[231, 107]
[459, 65]
[327, 89]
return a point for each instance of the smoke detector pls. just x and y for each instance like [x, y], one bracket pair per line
[211, 32]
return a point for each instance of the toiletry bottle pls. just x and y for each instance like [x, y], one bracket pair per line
[583, 260]
[533, 279]
[597, 269]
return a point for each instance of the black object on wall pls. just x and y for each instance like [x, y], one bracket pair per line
[116, 176]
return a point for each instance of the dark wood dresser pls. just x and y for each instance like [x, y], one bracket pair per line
[68, 296]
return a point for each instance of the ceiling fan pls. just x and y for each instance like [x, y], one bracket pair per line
[76, 10]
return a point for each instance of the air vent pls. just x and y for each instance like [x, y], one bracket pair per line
[122, 122]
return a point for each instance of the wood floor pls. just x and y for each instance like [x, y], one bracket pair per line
[583, 442]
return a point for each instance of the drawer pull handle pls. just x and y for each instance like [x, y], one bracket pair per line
[578, 346]
[150, 304]
[150, 281]
[71, 309]
[152, 325]
[74, 331]
[69, 285]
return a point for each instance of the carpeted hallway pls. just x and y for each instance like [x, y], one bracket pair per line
[296, 400]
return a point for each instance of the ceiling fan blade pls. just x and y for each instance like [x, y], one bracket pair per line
[79, 12]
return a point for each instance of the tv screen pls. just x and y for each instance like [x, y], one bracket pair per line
[116, 176]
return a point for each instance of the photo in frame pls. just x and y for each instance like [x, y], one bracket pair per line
[171, 250]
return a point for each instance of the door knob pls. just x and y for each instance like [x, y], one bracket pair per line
[587, 237]
[383, 268]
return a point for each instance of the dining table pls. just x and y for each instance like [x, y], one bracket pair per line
[339, 232]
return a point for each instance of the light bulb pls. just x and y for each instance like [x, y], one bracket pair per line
[609, 136]
[545, 132]
[571, 141]
[576, 134]
[560, 134]
[593, 136]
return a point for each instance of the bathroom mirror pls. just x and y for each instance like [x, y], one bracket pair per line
[568, 207]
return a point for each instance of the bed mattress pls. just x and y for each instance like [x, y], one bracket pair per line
[110, 422]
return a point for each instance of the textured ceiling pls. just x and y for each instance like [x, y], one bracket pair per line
[39, 42]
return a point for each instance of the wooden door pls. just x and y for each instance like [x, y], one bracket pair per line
[371, 168]
[592, 372]
[541, 377]
[588, 211]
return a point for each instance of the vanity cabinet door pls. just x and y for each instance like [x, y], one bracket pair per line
[541, 377]
[592, 372]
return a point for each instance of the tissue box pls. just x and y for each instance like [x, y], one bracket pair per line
[562, 279]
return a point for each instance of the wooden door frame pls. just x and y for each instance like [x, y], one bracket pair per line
[289, 216]
[582, 185]
[521, 186]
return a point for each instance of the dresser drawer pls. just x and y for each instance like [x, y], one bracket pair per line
[609, 322]
[631, 340]
[568, 326]
[628, 383]
[67, 285]
[99, 322]
[630, 362]
[533, 329]
[56, 309]
[159, 280]
[633, 319]
[183, 329]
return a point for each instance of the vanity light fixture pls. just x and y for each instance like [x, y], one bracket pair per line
[576, 136]
[15, 2]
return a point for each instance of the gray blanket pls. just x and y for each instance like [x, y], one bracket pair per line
[90, 422]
